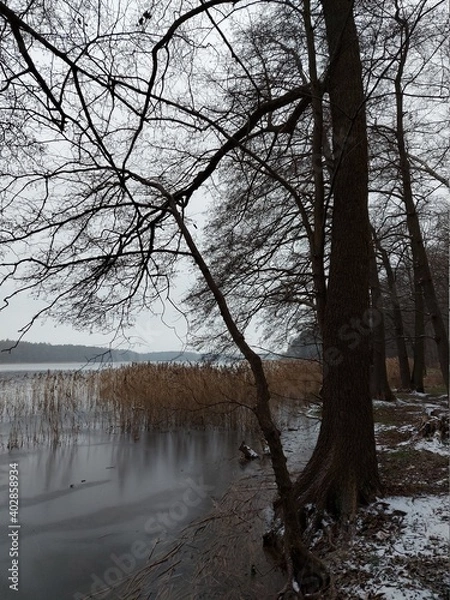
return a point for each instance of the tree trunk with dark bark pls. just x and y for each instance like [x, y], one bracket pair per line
[343, 471]
[317, 241]
[419, 338]
[402, 352]
[379, 384]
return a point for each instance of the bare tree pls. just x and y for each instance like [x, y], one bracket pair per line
[268, 235]
[342, 471]
[409, 147]
[397, 317]
[423, 276]
[379, 384]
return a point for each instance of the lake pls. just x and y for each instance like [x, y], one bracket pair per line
[17, 368]
[92, 512]
[96, 504]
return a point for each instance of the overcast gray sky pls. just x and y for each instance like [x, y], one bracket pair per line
[151, 333]
[164, 331]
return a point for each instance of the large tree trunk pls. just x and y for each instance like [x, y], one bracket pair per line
[420, 258]
[342, 471]
[402, 352]
[419, 337]
[379, 384]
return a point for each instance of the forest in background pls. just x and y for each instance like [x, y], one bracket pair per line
[29, 352]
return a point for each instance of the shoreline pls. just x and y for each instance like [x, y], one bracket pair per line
[397, 549]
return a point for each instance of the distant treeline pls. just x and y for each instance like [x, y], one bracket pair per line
[29, 352]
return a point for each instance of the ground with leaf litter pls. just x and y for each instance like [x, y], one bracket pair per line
[397, 549]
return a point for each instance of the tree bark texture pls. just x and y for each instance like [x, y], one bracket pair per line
[343, 471]
[317, 241]
[402, 352]
[419, 338]
[379, 384]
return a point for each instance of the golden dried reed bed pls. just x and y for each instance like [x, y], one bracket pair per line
[56, 406]
[48, 407]
[432, 380]
[164, 396]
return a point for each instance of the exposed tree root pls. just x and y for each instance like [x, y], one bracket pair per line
[436, 425]
[307, 575]
[336, 483]
[326, 487]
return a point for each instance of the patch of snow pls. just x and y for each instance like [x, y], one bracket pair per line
[433, 445]
[269, 517]
[382, 427]
[426, 523]
[424, 532]
[405, 428]
[377, 402]
[295, 586]
[396, 592]
[429, 407]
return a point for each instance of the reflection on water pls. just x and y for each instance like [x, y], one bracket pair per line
[93, 502]
[86, 509]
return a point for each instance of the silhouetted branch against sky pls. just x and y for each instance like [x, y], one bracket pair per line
[104, 107]
[103, 243]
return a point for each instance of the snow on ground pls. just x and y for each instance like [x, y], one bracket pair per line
[406, 557]
[425, 525]
[434, 445]
[425, 535]
[394, 593]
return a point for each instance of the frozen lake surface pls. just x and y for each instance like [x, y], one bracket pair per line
[90, 513]
[94, 502]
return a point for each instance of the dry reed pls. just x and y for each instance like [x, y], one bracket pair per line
[56, 406]
[432, 380]
[48, 407]
[164, 396]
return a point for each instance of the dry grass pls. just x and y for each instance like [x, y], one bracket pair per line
[433, 379]
[56, 406]
[165, 396]
[48, 407]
